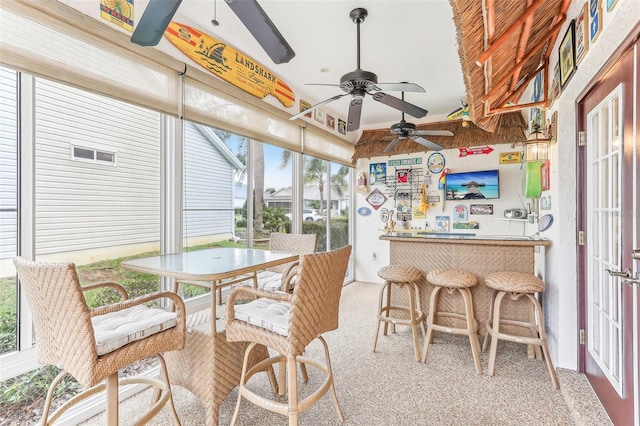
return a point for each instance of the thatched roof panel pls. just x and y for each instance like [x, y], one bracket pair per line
[510, 129]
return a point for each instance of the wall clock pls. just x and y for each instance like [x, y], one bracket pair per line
[435, 163]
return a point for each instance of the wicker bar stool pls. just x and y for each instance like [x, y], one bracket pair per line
[516, 285]
[452, 280]
[401, 276]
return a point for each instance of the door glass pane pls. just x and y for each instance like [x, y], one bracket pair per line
[604, 131]
[8, 209]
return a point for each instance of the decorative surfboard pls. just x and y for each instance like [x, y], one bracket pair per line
[230, 64]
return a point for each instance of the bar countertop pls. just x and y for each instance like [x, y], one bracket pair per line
[463, 238]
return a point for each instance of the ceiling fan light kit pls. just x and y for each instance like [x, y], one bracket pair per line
[359, 83]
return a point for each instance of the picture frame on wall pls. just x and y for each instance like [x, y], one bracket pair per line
[582, 34]
[304, 105]
[318, 114]
[567, 55]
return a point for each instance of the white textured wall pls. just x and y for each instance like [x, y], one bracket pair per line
[561, 296]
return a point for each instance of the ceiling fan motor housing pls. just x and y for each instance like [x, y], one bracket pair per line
[403, 128]
[358, 79]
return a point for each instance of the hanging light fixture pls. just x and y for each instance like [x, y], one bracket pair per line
[536, 147]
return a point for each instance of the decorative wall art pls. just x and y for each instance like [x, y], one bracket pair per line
[536, 117]
[556, 87]
[511, 157]
[545, 174]
[611, 4]
[121, 15]
[376, 199]
[476, 150]
[304, 105]
[553, 127]
[436, 162]
[484, 209]
[460, 213]
[595, 20]
[567, 55]
[384, 214]
[364, 211]
[582, 34]
[318, 114]
[466, 225]
[331, 122]
[403, 208]
[377, 173]
[442, 223]
[418, 213]
[402, 175]
[342, 127]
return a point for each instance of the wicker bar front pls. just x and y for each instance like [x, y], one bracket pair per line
[479, 257]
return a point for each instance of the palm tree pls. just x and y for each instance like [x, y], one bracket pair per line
[314, 172]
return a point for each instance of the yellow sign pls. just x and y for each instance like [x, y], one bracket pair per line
[229, 64]
[120, 12]
[510, 157]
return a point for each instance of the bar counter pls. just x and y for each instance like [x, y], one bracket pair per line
[478, 254]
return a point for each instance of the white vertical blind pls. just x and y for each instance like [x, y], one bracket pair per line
[323, 145]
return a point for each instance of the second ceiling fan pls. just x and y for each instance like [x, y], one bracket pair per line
[404, 130]
[359, 83]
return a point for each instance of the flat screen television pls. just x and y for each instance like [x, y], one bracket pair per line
[479, 185]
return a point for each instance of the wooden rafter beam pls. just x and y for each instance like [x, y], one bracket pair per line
[541, 44]
[517, 24]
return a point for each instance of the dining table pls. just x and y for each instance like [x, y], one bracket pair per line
[209, 366]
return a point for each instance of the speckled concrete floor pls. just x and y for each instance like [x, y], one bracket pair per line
[390, 388]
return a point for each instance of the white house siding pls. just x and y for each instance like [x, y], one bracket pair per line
[208, 187]
[83, 205]
[8, 163]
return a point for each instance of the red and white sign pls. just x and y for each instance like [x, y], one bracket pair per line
[474, 151]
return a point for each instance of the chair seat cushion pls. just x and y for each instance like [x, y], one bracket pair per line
[116, 329]
[451, 278]
[269, 281]
[269, 314]
[515, 282]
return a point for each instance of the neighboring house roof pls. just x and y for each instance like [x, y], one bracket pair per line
[311, 192]
[220, 146]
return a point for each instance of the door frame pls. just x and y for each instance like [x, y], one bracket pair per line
[629, 50]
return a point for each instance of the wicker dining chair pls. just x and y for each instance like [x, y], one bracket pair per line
[287, 323]
[92, 345]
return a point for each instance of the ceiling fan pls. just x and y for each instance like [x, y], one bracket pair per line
[158, 15]
[358, 83]
[404, 130]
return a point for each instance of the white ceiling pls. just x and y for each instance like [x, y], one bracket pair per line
[413, 41]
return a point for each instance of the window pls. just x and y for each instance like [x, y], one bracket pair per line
[79, 153]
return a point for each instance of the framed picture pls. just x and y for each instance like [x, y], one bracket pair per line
[378, 173]
[595, 20]
[304, 105]
[611, 4]
[342, 127]
[582, 31]
[331, 122]
[553, 127]
[556, 88]
[567, 55]
[319, 115]
[442, 223]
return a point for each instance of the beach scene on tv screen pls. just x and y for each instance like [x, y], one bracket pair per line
[473, 185]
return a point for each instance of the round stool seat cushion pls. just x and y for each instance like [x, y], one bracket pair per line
[400, 274]
[514, 282]
[452, 278]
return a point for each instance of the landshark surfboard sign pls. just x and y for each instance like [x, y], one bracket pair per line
[228, 63]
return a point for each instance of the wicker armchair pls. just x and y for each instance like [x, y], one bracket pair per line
[287, 323]
[93, 344]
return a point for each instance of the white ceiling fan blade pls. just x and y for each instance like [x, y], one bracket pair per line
[432, 133]
[426, 143]
[326, 101]
[393, 144]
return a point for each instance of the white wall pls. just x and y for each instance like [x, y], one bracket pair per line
[369, 228]
[561, 295]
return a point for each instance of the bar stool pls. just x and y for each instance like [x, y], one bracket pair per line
[401, 276]
[451, 280]
[516, 285]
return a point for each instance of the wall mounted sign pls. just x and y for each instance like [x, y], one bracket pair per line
[484, 209]
[466, 225]
[228, 63]
[582, 31]
[436, 162]
[405, 162]
[595, 20]
[364, 211]
[464, 152]
[376, 199]
[511, 157]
